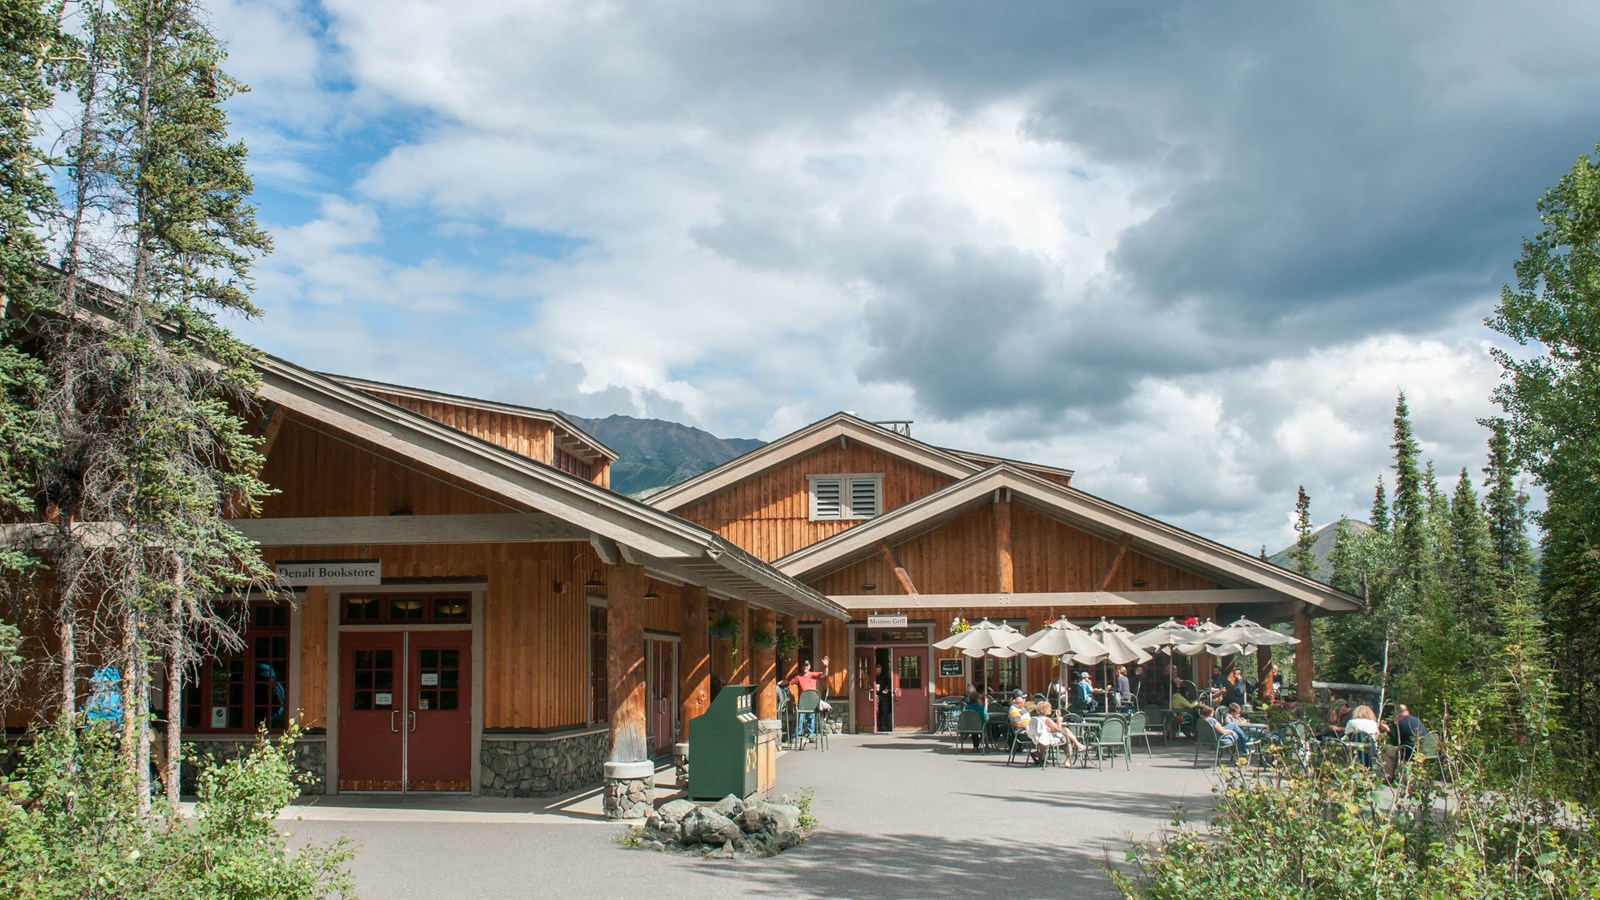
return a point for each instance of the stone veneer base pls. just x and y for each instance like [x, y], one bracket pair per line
[540, 765]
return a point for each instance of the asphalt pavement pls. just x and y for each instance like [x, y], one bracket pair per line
[899, 816]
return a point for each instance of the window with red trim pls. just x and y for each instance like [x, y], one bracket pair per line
[241, 691]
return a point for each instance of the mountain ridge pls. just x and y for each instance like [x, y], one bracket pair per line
[654, 454]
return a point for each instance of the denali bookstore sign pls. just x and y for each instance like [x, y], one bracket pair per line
[307, 572]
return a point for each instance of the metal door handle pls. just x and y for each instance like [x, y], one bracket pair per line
[393, 722]
[411, 714]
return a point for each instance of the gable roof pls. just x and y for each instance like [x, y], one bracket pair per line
[673, 546]
[818, 434]
[988, 459]
[562, 425]
[1158, 540]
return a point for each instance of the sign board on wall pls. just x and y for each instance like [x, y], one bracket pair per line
[307, 572]
[949, 668]
[900, 621]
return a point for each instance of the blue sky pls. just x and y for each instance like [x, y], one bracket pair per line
[1191, 251]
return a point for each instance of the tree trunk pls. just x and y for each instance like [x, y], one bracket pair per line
[172, 766]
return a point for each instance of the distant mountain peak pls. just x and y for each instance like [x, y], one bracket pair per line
[653, 454]
[1323, 539]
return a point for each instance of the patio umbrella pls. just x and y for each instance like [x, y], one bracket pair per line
[1064, 639]
[1103, 626]
[1245, 631]
[1165, 636]
[981, 637]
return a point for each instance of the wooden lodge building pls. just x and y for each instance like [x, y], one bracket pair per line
[476, 611]
[907, 538]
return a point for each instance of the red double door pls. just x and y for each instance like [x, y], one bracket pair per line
[405, 711]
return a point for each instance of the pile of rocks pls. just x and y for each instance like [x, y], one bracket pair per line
[731, 829]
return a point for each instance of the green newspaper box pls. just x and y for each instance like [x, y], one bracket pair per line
[722, 746]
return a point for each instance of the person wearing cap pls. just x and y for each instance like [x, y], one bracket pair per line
[1083, 693]
[1018, 714]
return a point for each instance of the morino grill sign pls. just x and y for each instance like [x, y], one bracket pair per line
[309, 572]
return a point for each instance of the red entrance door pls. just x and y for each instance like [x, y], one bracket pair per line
[439, 730]
[405, 711]
[371, 707]
[911, 707]
[663, 694]
[865, 694]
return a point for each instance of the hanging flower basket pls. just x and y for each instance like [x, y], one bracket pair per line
[762, 638]
[788, 644]
[726, 627]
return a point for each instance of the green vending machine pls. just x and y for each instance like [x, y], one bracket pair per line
[722, 746]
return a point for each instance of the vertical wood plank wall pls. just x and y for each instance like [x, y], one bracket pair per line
[1048, 556]
[522, 435]
[769, 515]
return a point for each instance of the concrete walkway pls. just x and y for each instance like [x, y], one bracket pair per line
[901, 816]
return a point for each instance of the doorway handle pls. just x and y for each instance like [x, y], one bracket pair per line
[411, 716]
[393, 722]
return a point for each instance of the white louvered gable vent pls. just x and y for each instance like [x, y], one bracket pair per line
[846, 496]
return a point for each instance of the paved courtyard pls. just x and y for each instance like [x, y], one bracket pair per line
[901, 816]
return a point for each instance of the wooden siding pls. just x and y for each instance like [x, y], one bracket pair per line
[535, 640]
[521, 435]
[768, 514]
[323, 475]
[1048, 556]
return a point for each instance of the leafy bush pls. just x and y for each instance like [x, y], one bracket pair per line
[70, 828]
[1333, 830]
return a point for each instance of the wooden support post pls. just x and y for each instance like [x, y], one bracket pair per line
[1002, 545]
[1302, 654]
[270, 435]
[764, 664]
[1263, 662]
[740, 671]
[789, 667]
[625, 663]
[1111, 570]
[694, 658]
[900, 572]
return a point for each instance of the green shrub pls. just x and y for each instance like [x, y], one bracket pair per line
[1333, 830]
[70, 828]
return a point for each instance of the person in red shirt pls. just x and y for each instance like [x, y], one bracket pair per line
[807, 680]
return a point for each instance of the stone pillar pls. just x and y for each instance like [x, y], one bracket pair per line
[629, 774]
[694, 660]
[680, 765]
[629, 790]
[1302, 654]
[764, 667]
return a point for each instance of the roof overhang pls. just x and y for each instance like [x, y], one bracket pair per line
[655, 539]
[839, 426]
[1229, 568]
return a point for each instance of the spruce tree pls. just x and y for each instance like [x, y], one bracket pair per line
[1303, 557]
[1506, 510]
[1379, 516]
[1410, 511]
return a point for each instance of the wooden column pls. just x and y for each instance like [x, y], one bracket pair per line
[1302, 654]
[790, 667]
[1202, 673]
[764, 662]
[625, 663]
[694, 659]
[1002, 544]
[740, 649]
[721, 650]
[1263, 662]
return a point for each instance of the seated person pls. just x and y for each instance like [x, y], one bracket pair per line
[1362, 727]
[1046, 733]
[1227, 734]
[1233, 690]
[1083, 693]
[1236, 715]
[1408, 729]
[1337, 717]
[1018, 714]
[977, 704]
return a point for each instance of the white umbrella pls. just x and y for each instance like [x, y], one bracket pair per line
[981, 637]
[1103, 626]
[1064, 639]
[1121, 650]
[1246, 632]
[1167, 634]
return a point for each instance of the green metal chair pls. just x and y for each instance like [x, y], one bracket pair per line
[1112, 737]
[809, 703]
[971, 724]
[1206, 738]
[1139, 727]
[1429, 749]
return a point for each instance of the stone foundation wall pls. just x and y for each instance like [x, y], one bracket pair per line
[310, 757]
[541, 766]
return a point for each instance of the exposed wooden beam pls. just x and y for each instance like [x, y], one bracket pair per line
[606, 549]
[1002, 542]
[1111, 570]
[270, 435]
[463, 529]
[631, 555]
[899, 570]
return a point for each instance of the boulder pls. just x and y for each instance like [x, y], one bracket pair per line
[707, 826]
[675, 810]
[729, 806]
[784, 816]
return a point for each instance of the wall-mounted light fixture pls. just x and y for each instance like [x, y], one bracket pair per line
[869, 586]
[650, 592]
[1138, 582]
[557, 586]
